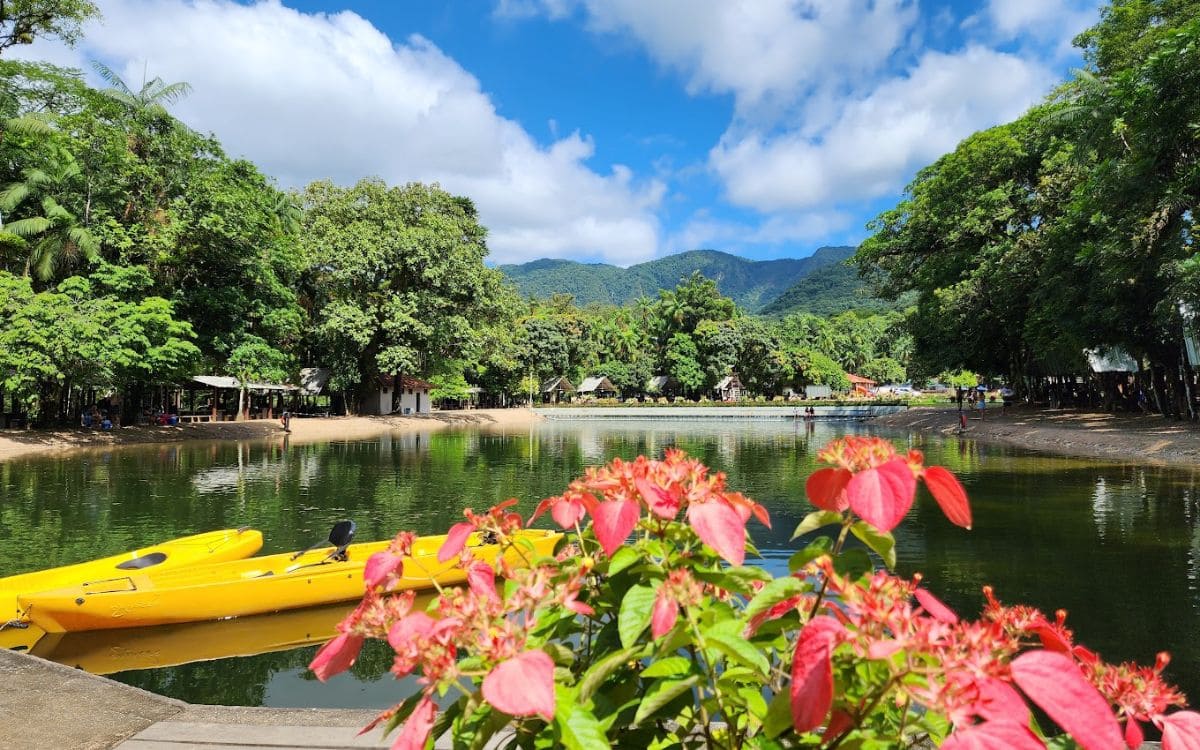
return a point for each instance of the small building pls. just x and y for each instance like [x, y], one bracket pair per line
[557, 389]
[600, 387]
[860, 385]
[730, 388]
[663, 385]
[399, 394]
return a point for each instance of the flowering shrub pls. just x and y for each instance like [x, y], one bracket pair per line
[646, 630]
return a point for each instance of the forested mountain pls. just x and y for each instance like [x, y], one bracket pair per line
[750, 283]
[829, 290]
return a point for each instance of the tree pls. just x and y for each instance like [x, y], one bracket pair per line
[57, 238]
[682, 363]
[22, 21]
[253, 360]
[397, 277]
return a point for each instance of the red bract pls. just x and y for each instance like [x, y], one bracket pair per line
[882, 496]
[659, 500]
[613, 521]
[522, 686]
[336, 656]
[664, 614]
[415, 733]
[455, 541]
[482, 580]
[826, 489]
[720, 526]
[994, 735]
[1181, 731]
[934, 606]
[381, 565]
[1055, 684]
[567, 509]
[949, 494]
[812, 672]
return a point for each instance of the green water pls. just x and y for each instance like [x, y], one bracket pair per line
[1117, 546]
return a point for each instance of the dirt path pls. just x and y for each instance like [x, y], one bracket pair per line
[15, 443]
[1129, 438]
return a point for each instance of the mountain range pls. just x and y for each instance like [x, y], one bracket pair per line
[753, 284]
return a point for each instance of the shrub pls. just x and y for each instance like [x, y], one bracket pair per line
[646, 629]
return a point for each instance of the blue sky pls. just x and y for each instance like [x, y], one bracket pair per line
[604, 130]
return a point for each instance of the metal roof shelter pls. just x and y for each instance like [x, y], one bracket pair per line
[597, 385]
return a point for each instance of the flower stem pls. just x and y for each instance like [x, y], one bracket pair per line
[837, 548]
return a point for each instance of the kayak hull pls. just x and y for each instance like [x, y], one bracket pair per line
[197, 549]
[249, 587]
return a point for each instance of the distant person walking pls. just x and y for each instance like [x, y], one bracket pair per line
[285, 419]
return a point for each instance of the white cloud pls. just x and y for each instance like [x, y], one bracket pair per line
[307, 96]
[779, 231]
[1055, 21]
[767, 53]
[876, 142]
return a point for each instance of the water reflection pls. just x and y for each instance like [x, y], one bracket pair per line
[1116, 545]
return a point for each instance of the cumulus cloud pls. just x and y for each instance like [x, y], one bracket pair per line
[876, 142]
[767, 53]
[308, 96]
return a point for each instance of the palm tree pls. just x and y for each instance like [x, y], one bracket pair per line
[57, 236]
[146, 106]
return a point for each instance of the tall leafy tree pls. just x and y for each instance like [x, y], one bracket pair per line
[399, 276]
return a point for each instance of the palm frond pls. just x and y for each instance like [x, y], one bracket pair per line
[30, 124]
[30, 227]
[168, 93]
[12, 195]
[111, 78]
[88, 243]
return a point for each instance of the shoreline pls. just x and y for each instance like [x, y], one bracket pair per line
[1125, 438]
[1142, 439]
[26, 443]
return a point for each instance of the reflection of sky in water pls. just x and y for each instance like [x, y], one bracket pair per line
[1117, 546]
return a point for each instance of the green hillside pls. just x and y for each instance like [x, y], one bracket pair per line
[829, 290]
[751, 283]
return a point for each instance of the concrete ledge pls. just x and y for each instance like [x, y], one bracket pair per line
[48, 705]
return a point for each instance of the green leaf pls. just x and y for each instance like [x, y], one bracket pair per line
[560, 653]
[852, 563]
[403, 711]
[635, 613]
[773, 593]
[734, 646]
[579, 730]
[881, 543]
[815, 520]
[662, 692]
[622, 559]
[779, 715]
[672, 666]
[602, 670]
[818, 547]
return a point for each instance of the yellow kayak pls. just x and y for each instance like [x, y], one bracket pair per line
[210, 547]
[255, 586]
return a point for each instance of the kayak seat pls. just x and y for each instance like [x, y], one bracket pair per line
[143, 562]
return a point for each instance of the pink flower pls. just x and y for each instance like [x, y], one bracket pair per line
[994, 735]
[522, 686]
[336, 656]
[1181, 731]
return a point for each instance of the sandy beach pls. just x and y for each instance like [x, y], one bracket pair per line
[1142, 439]
[15, 443]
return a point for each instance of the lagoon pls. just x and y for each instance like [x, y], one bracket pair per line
[1118, 546]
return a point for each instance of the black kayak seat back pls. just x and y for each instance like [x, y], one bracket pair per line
[143, 562]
